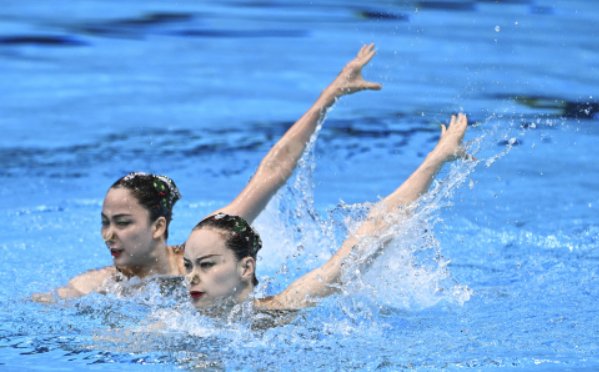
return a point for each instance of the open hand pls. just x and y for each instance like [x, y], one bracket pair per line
[449, 147]
[350, 79]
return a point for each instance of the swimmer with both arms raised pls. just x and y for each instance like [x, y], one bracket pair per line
[220, 253]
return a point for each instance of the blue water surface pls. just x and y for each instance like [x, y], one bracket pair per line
[497, 268]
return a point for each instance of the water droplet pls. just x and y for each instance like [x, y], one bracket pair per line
[497, 28]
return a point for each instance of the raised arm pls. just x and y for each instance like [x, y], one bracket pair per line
[322, 281]
[278, 165]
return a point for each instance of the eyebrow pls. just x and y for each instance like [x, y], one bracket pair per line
[116, 215]
[199, 259]
[207, 256]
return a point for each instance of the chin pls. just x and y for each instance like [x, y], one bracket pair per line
[121, 263]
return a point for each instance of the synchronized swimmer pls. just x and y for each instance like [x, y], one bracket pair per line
[218, 260]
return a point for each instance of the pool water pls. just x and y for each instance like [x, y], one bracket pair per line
[496, 268]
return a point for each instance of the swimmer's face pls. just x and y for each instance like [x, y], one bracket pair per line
[127, 230]
[214, 275]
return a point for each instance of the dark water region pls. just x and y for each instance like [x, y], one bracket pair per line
[40, 40]
[562, 108]
[174, 145]
[153, 22]
[145, 30]
[136, 148]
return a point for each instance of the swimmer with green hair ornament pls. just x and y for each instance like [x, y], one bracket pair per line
[220, 253]
[137, 209]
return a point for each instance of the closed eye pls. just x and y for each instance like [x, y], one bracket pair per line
[187, 265]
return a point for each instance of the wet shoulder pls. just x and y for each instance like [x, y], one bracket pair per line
[92, 280]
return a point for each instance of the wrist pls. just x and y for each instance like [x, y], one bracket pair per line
[328, 96]
[333, 91]
[435, 158]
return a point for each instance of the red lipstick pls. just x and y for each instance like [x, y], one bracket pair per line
[196, 295]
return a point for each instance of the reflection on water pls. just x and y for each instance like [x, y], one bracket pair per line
[587, 109]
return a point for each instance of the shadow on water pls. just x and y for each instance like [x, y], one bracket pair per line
[186, 144]
[254, 139]
[131, 27]
[185, 23]
[41, 40]
[447, 5]
[173, 24]
[558, 106]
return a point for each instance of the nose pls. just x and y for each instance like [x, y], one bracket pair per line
[107, 233]
[193, 278]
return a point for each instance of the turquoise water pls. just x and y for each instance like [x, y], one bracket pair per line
[497, 269]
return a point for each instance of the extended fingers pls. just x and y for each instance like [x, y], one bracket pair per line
[366, 48]
[362, 50]
[452, 122]
[371, 85]
[462, 120]
[366, 53]
[462, 124]
[457, 126]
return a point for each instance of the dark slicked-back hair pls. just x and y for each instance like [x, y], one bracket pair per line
[241, 238]
[157, 194]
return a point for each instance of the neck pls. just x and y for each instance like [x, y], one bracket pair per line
[244, 293]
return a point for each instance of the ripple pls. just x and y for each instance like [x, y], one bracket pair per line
[211, 33]
[383, 15]
[131, 26]
[584, 109]
[41, 40]
[447, 5]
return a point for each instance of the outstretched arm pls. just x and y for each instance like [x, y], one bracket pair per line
[278, 165]
[321, 282]
[80, 285]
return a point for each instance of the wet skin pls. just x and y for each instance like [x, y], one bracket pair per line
[213, 274]
[126, 228]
